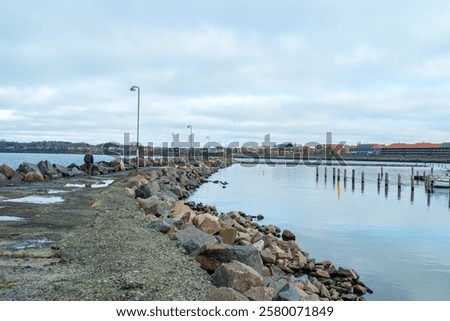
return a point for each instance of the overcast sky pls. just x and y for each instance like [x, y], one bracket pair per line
[367, 71]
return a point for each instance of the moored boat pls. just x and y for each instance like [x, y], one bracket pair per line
[442, 182]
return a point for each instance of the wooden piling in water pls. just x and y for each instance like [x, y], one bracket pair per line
[412, 182]
[399, 181]
[339, 174]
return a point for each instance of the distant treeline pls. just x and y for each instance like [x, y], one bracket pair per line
[50, 147]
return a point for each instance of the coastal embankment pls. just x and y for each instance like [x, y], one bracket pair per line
[128, 235]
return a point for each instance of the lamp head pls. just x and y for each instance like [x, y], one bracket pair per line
[134, 88]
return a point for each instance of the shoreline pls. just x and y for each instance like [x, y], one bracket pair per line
[219, 247]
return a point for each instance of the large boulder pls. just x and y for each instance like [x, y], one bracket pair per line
[225, 294]
[3, 178]
[26, 168]
[207, 223]
[34, 176]
[74, 171]
[238, 276]
[47, 169]
[211, 256]
[183, 213]
[261, 293]
[7, 171]
[228, 234]
[158, 206]
[62, 170]
[192, 239]
[287, 235]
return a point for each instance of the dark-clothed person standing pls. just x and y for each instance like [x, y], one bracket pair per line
[89, 161]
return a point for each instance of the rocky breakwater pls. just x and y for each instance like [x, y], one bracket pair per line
[44, 170]
[246, 260]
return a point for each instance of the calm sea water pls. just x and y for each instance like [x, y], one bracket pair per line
[398, 241]
[14, 160]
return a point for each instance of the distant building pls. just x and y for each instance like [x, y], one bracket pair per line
[402, 150]
[417, 149]
[363, 150]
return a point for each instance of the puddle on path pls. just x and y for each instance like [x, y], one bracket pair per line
[97, 185]
[35, 199]
[57, 191]
[31, 244]
[7, 218]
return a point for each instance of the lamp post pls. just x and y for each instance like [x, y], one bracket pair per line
[136, 88]
[190, 142]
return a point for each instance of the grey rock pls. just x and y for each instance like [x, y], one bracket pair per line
[63, 170]
[26, 168]
[289, 293]
[211, 256]
[192, 239]
[47, 168]
[76, 172]
[160, 226]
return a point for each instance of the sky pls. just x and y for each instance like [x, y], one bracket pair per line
[367, 71]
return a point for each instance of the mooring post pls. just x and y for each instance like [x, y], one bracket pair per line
[345, 175]
[412, 182]
[317, 173]
[386, 180]
[353, 179]
[429, 185]
[378, 182]
[381, 172]
[399, 181]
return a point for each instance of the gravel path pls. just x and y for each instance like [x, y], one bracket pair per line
[98, 248]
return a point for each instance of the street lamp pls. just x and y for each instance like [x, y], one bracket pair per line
[190, 142]
[136, 88]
